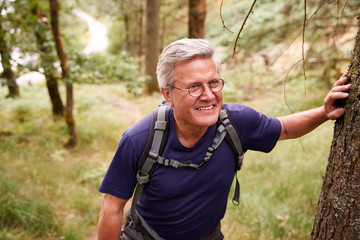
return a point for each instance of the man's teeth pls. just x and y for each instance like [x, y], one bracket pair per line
[205, 108]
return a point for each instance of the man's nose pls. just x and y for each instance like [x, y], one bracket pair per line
[207, 91]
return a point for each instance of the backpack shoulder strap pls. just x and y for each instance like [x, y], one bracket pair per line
[155, 145]
[234, 140]
[157, 135]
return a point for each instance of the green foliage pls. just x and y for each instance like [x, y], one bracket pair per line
[18, 211]
[100, 68]
[278, 190]
[273, 22]
[45, 191]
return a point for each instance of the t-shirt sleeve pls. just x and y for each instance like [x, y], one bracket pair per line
[258, 132]
[120, 178]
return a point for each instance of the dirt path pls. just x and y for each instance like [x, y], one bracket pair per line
[129, 112]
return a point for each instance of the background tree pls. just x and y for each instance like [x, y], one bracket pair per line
[152, 43]
[69, 118]
[197, 15]
[48, 57]
[7, 73]
[5, 53]
[338, 209]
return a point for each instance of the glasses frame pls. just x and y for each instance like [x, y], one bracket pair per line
[203, 87]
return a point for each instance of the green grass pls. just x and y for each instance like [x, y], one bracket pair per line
[47, 192]
[279, 190]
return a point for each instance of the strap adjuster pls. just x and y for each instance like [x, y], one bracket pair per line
[142, 177]
[153, 155]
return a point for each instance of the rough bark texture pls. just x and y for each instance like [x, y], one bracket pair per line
[69, 118]
[48, 61]
[8, 74]
[338, 209]
[197, 15]
[152, 43]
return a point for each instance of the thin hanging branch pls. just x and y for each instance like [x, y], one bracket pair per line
[285, 81]
[340, 15]
[294, 38]
[222, 19]
[242, 26]
[303, 45]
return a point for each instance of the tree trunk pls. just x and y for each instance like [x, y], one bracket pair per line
[54, 9]
[126, 19]
[197, 15]
[338, 210]
[152, 43]
[141, 34]
[47, 62]
[55, 98]
[8, 74]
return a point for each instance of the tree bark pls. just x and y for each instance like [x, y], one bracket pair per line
[152, 44]
[69, 118]
[48, 60]
[13, 88]
[338, 210]
[141, 34]
[8, 73]
[126, 19]
[197, 15]
[55, 98]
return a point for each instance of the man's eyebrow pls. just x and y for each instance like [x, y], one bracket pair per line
[197, 82]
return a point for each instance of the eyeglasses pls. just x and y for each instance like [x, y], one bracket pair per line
[197, 89]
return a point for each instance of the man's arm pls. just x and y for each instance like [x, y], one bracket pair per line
[299, 124]
[111, 215]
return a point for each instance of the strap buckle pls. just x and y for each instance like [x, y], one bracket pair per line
[142, 177]
[153, 155]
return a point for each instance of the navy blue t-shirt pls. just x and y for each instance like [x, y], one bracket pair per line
[185, 203]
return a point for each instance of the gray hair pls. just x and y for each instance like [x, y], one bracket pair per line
[180, 51]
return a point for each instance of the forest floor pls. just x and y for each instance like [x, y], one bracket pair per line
[65, 182]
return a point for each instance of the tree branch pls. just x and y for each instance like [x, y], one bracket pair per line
[303, 45]
[222, 19]
[242, 26]
[294, 38]
[285, 81]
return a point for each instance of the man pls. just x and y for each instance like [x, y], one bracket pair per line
[186, 203]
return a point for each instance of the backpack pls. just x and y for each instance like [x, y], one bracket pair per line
[155, 145]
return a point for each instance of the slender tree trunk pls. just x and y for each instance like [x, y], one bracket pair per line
[126, 19]
[69, 118]
[48, 60]
[338, 210]
[197, 15]
[8, 73]
[152, 43]
[55, 98]
[141, 34]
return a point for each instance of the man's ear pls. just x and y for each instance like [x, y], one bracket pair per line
[167, 95]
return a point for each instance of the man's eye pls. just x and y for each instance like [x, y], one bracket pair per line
[195, 86]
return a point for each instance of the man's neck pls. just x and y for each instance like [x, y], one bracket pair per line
[188, 136]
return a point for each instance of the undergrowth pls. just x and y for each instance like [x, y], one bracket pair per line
[47, 192]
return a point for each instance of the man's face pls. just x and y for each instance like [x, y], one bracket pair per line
[194, 113]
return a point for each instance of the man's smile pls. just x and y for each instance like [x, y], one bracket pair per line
[205, 108]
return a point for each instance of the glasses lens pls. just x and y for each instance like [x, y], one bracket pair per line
[217, 85]
[196, 91]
